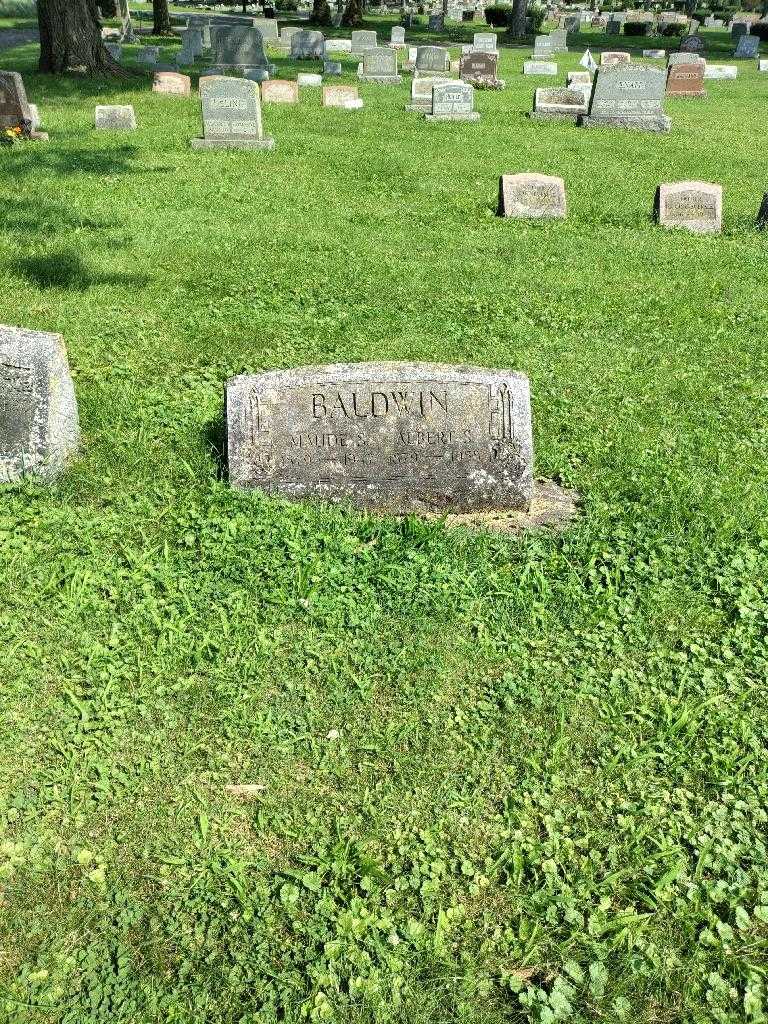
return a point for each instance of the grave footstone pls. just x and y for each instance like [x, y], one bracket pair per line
[655, 54]
[307, 45]
[559, 105]
[453, 101]
[694, 205]
[115, 118]
[721, 71]
[578, 78]
[172, 84]
[332, 68]
[279, 90]
[395, 436]
[39, 430]
[15, 109]
[344, 96]
[231, 115]
[686, 81]
[539, 67]
[628, 96]
[338, 46]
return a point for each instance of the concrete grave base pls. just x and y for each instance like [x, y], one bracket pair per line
[267, 142]
[381, 79]
[553, 507]
[658, 123]
[39, 137]
[418, 108]
[472, 116]
[555, 115]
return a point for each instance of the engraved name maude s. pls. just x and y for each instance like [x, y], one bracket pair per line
[399, 435]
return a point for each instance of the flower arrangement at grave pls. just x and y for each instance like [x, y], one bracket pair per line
[15, 134]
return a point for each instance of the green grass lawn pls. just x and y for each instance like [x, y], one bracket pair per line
[503, 779]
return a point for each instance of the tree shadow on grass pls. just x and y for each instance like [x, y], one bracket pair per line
[65, 269]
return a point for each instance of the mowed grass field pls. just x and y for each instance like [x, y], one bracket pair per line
[501, 779]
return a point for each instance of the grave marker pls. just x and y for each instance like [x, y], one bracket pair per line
[397, 436]
[39, 428]
[362, 41]
[748, 47]
[721, 71]
[115, 118]
[172, 84]
[307, 45]
[694, 205]
[344, 96]
[539, 67]
[231, 115]
[453, 101]
[432, 60]
[628, 96]
[559, 105]
[479, 69]
[686, 80]
[610, 57]
[15, 109]
[279, 90]
[380, 66]
[238, 47]
[421, 94]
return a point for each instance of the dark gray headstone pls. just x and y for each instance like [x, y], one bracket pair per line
[38, 412]
[307, 45]
[436, 23]
[398, 436]
[692, 44]
[748, 47]
[479, 67]
[628, 96]
[238, 46]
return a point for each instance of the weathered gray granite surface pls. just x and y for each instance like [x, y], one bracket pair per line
[38, 412]
[396, 436]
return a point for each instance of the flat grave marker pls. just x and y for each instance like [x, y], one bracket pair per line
[693, 205]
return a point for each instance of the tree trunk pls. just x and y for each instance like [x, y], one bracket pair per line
[321, 13]
[161, 18]
[353, 14]
[70, 37]
[517, 22]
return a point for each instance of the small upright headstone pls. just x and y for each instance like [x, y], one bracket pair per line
[148, 54]
[399, 436]
[115, 118]
[485, 42]
[543, 47]
[280, 90]
[628, 96]
[39, 430]
[686, 80]
[307, 45]
[332, 68]
[379, 65]
[692, 44]
[559, 40]
[432, 60]
[436, 23]
[15, 109]
[231, 115]
[738, 29]
[479, 69]
[694, 205]
[397, 36]
[267, 27]
[748, 47]
[362, 41]
[115, 50]
[453, 101]
[172, 84]
[609, 57]
[238, 47]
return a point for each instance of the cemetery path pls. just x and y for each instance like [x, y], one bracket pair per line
[10, 37]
